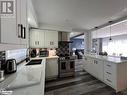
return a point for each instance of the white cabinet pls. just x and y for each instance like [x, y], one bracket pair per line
[51, 39]
[51, 68]
[98, 68]
[10, 30]
[110, 73]
[23, 21]
[36, 38]
[94, 67]
[43, 39]
[9, 33]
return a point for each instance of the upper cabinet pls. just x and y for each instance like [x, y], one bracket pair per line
[51, 39]
[14, 30]
[22, 21]
[36, 38]
[43, 39]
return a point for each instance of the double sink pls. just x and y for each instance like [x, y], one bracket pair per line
[34, 62]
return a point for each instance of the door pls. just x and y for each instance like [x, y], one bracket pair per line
[63, 66]
[71, 65]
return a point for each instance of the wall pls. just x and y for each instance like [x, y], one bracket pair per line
[87, 42]
[19, 54]
[117, 46]
[78, 43]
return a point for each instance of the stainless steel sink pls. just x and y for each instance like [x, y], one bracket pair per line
[34, 62]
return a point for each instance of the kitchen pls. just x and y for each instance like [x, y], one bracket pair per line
[35, 47]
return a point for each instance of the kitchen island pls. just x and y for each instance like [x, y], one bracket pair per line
[110, 70]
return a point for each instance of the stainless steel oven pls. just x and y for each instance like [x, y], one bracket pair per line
[66, 67]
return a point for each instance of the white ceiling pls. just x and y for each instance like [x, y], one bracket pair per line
[79, 14]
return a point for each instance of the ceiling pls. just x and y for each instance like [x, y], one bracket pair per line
[79, 14]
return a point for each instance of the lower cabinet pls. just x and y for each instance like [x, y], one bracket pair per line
[111, 73]
[51, 68]
[94, 67]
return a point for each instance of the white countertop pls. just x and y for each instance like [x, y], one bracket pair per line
[49, 57]
[107, 58]
[26, 78]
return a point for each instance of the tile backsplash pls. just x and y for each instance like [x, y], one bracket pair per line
[19, 54]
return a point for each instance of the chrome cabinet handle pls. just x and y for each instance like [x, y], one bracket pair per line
[24, 33]
[20, 30]
[108, 73]
[109, 80]
[108, 65]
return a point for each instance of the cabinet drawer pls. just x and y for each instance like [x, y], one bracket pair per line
[108, 79]
[108, 65]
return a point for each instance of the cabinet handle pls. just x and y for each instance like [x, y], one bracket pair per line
[35, 42]
[24, 33]
[108, 65]
[109, 80]
[38, 42]
[20, 30]
[108, 73]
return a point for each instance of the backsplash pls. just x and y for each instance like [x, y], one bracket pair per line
[19, 54]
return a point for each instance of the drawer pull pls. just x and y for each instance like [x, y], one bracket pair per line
[109, 65]
[108, 73]
[109, 80]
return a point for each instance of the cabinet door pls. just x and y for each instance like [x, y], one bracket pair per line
[9, 32]
[51, 39]
[37, 38]
[51, 68]
[33, 38]
[100, 69]
[85, 62]
[89, 65]
[23, 18]
[41, 38]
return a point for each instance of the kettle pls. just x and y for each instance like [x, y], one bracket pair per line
[11, 66]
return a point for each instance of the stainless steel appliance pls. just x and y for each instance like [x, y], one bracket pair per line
[43, 53]
[66, 66]
[11, 66]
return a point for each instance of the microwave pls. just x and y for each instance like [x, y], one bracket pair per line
[43, 53]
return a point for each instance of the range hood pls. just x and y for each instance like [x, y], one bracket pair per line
[63, 36]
